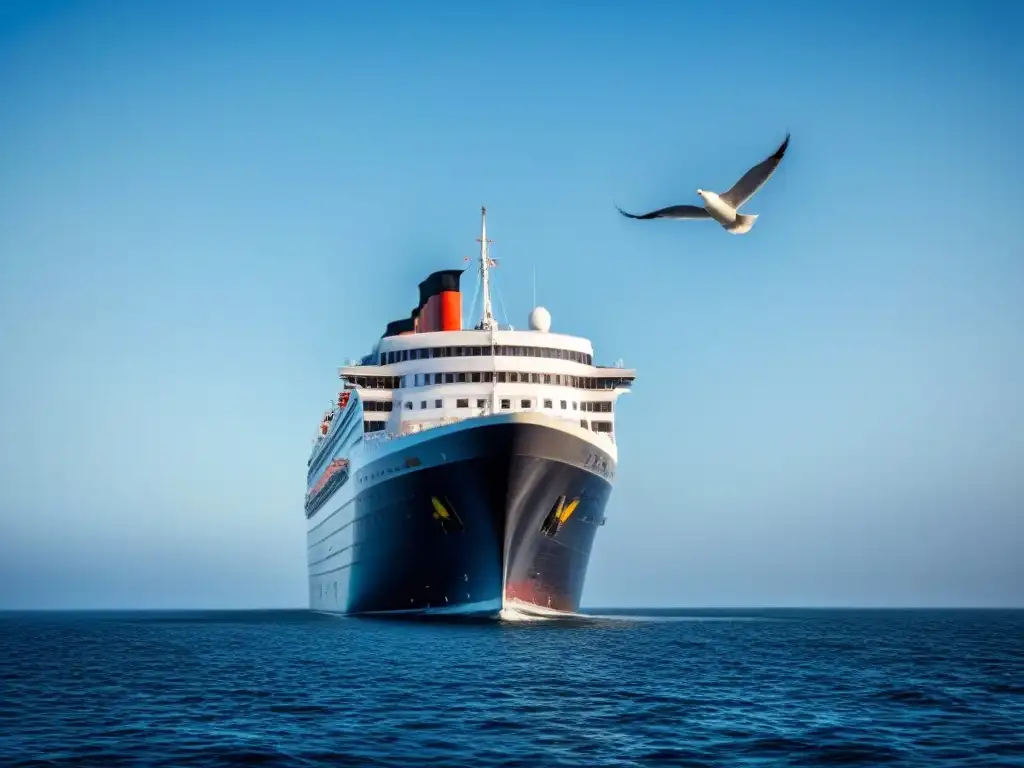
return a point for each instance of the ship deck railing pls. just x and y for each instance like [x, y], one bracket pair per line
[371, 439]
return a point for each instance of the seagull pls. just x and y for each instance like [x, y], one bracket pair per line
[724, 208]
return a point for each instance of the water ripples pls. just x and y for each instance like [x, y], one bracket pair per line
[292, 688]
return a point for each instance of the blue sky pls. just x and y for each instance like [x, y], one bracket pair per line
[205, 208]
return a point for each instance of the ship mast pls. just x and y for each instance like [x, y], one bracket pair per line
[487, 319]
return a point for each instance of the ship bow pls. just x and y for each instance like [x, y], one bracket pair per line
[558, 488]
[501, 511]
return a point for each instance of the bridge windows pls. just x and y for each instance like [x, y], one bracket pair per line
[375, 382]
[501, 350]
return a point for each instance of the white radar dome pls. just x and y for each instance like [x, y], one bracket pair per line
[540, 320]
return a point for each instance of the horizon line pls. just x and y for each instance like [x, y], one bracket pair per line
[583, 611]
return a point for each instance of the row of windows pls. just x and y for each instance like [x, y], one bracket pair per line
[598, 406]
[487, 377]
[506, 404]
[481, 402]
[502, 350]
[375, 382]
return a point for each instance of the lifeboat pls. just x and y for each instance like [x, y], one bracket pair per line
[332, 469]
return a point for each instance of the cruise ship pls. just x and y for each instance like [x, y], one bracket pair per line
[462, 471]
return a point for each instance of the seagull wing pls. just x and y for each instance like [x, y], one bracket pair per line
[672, 212]
[755, 178]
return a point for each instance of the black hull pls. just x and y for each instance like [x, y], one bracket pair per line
[467, 521]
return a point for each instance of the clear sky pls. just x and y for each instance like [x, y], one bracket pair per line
[205, 208]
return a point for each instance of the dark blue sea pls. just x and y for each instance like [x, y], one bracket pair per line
[697, 688]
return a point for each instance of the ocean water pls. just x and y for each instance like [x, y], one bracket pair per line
[707, 688]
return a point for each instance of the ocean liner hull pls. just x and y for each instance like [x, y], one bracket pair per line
[489, 514]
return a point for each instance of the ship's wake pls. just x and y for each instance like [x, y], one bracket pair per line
[518, 611]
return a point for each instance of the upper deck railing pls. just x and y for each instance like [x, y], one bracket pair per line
[406, 428]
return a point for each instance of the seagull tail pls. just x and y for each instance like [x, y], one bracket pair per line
[743, 224]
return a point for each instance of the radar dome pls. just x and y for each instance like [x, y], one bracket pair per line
[540, 320]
